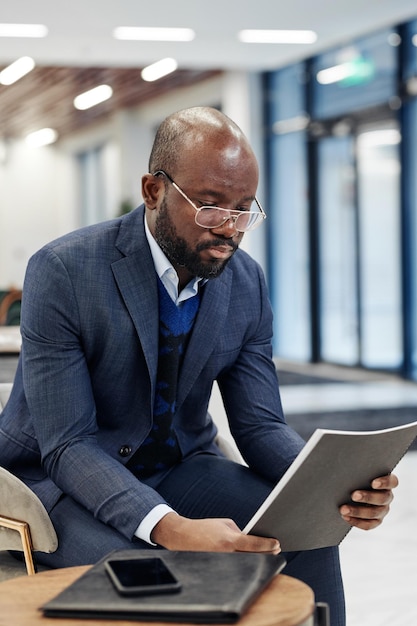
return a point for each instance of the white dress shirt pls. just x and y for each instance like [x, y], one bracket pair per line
[169, 279]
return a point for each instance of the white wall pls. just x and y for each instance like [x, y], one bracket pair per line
[39, 194]
[37, 203]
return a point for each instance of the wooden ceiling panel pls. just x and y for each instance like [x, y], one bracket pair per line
[44, 97]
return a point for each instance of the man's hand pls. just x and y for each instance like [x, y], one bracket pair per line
[175, 532]
[369, 508]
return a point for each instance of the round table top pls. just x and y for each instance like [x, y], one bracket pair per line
[285, 602]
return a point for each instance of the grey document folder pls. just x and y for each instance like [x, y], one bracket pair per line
[302, 511]
[215, 588]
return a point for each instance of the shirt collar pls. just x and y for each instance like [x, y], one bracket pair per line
[167, 273]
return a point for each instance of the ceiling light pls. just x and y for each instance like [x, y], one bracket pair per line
[383, 137]
[92, 97]
[23, 30]
[335, 74]
[277, 36]
[291, 125]
[16, 70]
[394, 40]
[159, 69]
[153, 34]
[354, 72]
[42, 137]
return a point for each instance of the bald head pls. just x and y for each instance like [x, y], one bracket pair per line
[207, 162]
[189, 132]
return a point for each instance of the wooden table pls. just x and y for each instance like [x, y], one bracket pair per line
[285, 602]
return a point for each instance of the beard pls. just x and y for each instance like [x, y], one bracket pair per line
[179, 253]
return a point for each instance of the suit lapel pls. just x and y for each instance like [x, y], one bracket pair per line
[208, 325]
[136, 278]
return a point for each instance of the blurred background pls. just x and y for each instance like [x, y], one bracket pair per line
[326, 91]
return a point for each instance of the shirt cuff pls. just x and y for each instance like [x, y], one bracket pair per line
[149, 522]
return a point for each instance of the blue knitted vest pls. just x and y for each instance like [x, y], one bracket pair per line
[160, 450]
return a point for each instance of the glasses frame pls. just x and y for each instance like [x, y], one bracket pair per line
[231, 213]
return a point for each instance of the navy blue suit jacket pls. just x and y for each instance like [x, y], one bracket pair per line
[83, 395]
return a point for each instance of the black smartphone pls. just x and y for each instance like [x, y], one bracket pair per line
[135, 577]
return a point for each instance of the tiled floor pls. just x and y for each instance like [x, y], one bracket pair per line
[380, 566]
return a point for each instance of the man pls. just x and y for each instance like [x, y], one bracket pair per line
[125, 326]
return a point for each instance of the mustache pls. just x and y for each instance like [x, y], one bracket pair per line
[213, 243]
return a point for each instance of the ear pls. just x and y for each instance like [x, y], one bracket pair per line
[152, 187]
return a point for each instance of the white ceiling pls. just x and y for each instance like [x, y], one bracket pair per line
[80, 31]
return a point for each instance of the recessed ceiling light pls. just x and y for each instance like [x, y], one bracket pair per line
[153, 34]
[92, 97]
[159, 69]
[336, 73]
[277, 36]
[23, 30]
[385, 137]
[291, 124]
[16, 70]
[356, 71]
[42, 137]
[394, 40]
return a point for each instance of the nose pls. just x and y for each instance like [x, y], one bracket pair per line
[228, 226]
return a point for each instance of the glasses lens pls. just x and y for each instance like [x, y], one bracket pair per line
[213, 217]
[245, 221]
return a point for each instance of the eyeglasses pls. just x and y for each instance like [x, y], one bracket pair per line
[215, 216]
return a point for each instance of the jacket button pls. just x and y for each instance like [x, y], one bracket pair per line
[125, 450]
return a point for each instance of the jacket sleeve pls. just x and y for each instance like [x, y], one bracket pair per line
[61, 402]
[250, 389]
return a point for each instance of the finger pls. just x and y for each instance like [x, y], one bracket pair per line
[366, 517]
[385, 482]
[377, 497]
[362, 524]
[252, 543]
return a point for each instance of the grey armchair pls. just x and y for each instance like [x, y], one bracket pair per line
[25, 525]
[24, 522]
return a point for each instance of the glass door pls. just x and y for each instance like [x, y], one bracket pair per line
[338, 251]
[359, 247]
[378, 166]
